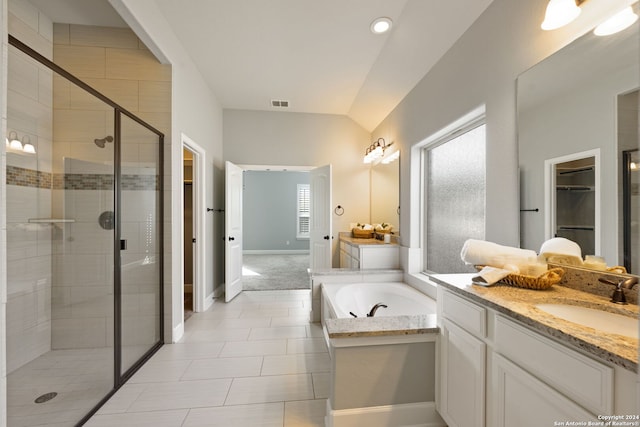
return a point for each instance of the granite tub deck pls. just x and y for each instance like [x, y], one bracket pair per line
[381, 326]
[519, 304]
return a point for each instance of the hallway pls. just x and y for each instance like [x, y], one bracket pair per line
[256, 361]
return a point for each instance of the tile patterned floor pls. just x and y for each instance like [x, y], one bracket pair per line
[256, 361]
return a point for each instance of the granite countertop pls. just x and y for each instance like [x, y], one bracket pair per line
[355, 241]
[519, 304]
[381, 326]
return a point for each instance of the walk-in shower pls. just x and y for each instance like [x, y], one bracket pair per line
[84, 244]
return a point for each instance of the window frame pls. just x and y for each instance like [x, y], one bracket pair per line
[302, 211]
[447, 134]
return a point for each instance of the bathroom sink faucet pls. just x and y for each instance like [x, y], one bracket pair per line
[375, 308]
[618, 296]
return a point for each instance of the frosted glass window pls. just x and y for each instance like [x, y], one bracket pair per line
[454, 199]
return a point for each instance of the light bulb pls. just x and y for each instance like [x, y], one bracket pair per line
[618, 22]
[559, 13]
[27, 146]
[381, 25]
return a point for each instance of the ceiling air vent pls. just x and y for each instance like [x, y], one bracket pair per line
[279, 103]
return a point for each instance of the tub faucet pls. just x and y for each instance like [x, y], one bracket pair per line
[375, 308]
[618, 296]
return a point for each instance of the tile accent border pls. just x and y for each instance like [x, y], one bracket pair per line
[27, 177]
[78, 181]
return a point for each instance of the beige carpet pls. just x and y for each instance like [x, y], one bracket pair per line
[270, 272]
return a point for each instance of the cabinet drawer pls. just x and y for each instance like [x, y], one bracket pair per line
[465, 314]
[580, 378]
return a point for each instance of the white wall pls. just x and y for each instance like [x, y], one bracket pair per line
[197, 114]
[301, 139]
[480, 68]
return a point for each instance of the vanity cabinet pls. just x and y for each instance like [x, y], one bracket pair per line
[495, 371]
[524, 401]
[370, 253]
[462, 362]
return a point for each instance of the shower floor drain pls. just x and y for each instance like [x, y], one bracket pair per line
[46, 397]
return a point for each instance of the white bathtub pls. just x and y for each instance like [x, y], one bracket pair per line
[358, 298]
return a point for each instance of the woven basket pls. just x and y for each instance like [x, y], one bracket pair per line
[359, 233]
[383, 231]
[544, 281]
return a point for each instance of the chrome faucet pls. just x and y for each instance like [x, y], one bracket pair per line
[618, 296]
[375, 308]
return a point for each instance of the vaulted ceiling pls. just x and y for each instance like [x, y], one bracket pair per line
[319, 55]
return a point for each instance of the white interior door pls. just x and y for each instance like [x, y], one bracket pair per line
[233, 231]
[320, 221]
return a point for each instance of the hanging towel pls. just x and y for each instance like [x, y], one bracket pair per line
[481, 252]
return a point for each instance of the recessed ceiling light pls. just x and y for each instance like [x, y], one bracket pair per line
[381, 25]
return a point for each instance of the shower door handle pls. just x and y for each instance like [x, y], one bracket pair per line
[123, 244]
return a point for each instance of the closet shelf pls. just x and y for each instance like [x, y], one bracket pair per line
[49, 220]
[576, 227]
[575, 188]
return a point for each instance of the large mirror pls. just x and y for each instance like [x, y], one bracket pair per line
[385, 193]
[582, 99]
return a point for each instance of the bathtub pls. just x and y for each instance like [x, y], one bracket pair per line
[358, 298]
[395, 348]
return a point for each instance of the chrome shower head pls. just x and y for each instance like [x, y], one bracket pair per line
[101, 142]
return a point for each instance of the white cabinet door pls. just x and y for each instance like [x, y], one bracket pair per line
[462, 386]
[524, 401]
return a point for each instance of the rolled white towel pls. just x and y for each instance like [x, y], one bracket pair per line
[481, 252]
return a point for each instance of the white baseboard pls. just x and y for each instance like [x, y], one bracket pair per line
[277, 252]
[208, 301]
[422, 414]
[178, 332]
[218, 292]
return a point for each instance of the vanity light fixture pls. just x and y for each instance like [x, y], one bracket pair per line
[618, 22]
[16, 144]
[391, 157]
[560, 12]
[375, 151]
[27, 146]
[381, 25]
[13, 142]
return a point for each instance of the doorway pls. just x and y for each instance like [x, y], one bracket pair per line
[314, 219]
[572, 199]
[276, 229]
[193, 229]
[189, 236]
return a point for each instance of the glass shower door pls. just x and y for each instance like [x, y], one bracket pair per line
[140, 245]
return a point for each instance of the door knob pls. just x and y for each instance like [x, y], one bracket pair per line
[231, 238]
[326, 237]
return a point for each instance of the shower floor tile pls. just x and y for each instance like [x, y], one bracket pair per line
[81, 378]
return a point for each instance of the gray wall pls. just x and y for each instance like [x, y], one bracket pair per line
[301, 139]
[480, 69]
[269, 210]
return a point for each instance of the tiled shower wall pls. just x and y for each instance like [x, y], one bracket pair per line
[117, 64]
[29, 112]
